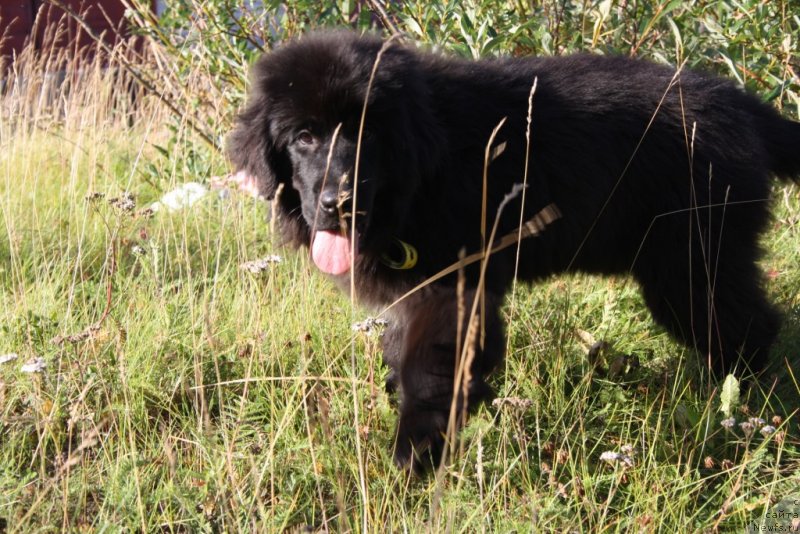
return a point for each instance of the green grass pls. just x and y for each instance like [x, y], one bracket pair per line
[211, 399]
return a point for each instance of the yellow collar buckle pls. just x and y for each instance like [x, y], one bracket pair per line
[401, 256]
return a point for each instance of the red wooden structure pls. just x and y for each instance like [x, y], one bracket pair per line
[47, 27]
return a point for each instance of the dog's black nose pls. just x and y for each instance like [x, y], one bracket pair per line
[328, 201]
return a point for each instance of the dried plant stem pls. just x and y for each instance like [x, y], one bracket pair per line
[525, 184]
[137, 74]
[531, 228]
[464, 359]
[354, 245]
[376, 7]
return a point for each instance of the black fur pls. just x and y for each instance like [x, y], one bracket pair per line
[660, 175]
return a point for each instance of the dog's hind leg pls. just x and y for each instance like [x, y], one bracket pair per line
[428, 369]
[746, 323]
[723, 312]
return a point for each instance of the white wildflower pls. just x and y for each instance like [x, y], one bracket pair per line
[757, 422]
[616, 457]
[766, 430]
[728, 423]
[125, 202]
[260, 265]
[370, 325]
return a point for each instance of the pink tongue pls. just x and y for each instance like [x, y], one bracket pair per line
[331, 252]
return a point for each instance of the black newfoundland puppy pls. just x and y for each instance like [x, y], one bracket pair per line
[631, 166]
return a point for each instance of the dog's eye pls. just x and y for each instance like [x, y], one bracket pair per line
[305, 138]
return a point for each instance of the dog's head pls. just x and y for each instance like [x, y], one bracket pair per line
[301, 127]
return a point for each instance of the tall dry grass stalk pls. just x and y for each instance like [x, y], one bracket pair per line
[123, 85]
[67, 89]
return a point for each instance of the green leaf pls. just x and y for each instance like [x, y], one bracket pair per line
[729, 398]
[685, 417]
[777, 90]
[414, 26]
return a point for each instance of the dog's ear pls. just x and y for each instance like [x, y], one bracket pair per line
[251, 148]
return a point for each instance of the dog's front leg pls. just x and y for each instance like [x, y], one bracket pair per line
[440, 372]
[392, 346]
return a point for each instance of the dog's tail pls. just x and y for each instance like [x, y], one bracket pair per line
[783, 146]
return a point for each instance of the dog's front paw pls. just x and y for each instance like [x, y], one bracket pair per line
[392, 383]
[420, 440]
